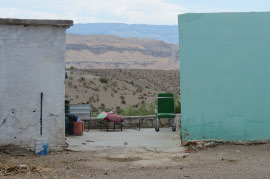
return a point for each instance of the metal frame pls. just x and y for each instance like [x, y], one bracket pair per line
[172, 120]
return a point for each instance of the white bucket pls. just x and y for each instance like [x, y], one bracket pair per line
[41, 147]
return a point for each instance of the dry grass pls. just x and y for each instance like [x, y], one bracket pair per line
[9, 170]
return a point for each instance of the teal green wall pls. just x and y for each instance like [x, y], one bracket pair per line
[225, 76]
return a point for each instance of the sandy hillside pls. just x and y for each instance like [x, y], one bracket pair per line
[114, 89]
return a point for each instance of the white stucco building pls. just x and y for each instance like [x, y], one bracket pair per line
[32, 61]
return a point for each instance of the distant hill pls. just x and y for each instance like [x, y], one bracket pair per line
[124, 87]
[111, 52]
[167, 33]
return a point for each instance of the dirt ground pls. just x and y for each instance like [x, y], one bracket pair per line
[224, 161]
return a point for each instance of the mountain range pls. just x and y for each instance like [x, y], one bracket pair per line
[112, 52]
[167, 33]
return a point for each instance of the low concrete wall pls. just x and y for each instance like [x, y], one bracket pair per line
[132, 122]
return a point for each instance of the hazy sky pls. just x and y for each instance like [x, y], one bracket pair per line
[162, 12]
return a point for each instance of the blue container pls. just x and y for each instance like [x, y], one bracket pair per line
[41, 147]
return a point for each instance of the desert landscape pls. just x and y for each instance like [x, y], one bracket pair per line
[115, 73]
[122, 67]
[117, 89]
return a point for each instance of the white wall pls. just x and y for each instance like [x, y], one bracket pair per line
[32, 60]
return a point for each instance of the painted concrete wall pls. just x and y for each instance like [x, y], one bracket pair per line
[32, 60]
[225, 76]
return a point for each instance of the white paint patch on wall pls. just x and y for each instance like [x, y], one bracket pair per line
[32, 60]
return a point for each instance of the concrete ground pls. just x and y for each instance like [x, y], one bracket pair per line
[165, 140]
